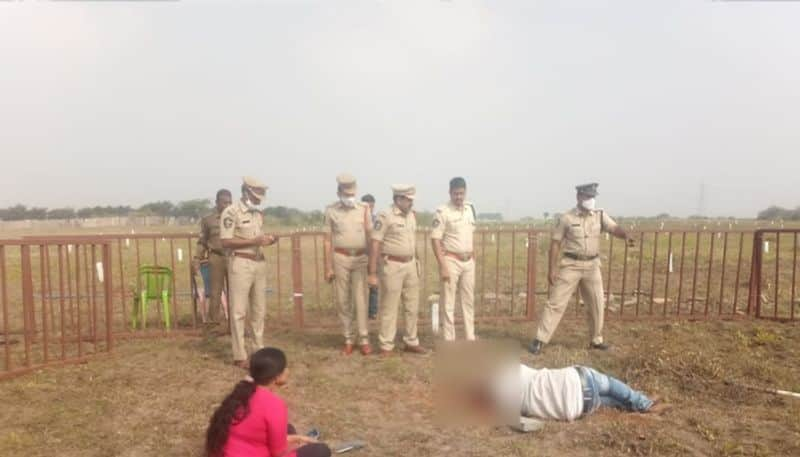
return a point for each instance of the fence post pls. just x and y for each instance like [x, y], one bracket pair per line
[28, 318]
[533, 247]
[297, 279]
[108, 291]
[754, 292]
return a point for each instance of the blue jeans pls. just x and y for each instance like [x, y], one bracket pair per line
[205, 272]
[373, 302]
[611, 392]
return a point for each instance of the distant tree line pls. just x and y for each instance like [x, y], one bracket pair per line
[189, 208]
[776, 212]
[193, 209]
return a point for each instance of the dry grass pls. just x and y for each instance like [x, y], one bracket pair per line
[155, 397]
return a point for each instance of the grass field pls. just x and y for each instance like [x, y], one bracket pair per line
[154, 397]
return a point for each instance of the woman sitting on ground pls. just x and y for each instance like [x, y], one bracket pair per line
[252, 420]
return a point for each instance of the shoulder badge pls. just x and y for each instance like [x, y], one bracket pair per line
[228, 222]
[378, 224]
[436, 222]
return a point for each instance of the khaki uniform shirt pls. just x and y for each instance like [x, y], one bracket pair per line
[455, 227]
[209, 236]
[349, 228]
[579, 231]
[397, 232]
[239, 221]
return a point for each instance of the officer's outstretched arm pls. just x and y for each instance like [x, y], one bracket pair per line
[372, 268]
[620, 232]
[438, 252]
[328, 258]
[374, 253]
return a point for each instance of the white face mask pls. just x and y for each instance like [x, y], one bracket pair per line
[588, 204]
[252, 206]
[349, 202]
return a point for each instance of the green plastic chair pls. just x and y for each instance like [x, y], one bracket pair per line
[156, 283]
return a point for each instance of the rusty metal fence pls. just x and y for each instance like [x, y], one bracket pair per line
[774, 274]
[56, 302]
[65, 298]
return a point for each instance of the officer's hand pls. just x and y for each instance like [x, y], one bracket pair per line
[552, 276]
[444, 274]
[329, 276]
[267, 240]
[372, 280]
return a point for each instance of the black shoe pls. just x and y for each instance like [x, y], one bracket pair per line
[599, 346]
[535, 347]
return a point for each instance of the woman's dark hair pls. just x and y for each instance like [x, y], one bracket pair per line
[265, 366]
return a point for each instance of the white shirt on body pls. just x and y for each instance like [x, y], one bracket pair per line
[541, 393]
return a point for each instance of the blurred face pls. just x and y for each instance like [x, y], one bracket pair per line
[404, 203]
[347, 193]
[254, 197]
[223, 202]
[457, 196]
[283, 378]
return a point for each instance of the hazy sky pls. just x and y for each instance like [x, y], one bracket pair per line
[130, 102]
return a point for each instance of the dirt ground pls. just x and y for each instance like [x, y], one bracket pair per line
[154, 397]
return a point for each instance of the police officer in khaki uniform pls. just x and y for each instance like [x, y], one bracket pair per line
[577, 236]
[347, 229]
[451, 237]
[209, 248]
[394, 245]
[242, 234]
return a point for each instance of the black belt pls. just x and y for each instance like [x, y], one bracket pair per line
[586, 390]
[574, 256]
[255, 257]
[397, 258]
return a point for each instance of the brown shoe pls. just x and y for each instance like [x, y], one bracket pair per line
[348, 349]
[415, 349]
[243, 364]
[366, 349]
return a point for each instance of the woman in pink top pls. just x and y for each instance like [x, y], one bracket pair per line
[252, 420]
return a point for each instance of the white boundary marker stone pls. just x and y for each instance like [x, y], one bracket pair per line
[435, 317]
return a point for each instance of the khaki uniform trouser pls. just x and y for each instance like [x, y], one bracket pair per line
[572, 274]
[218, 270]
[351, 289]
[399, 282]
[460, 288]
[247, 284]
